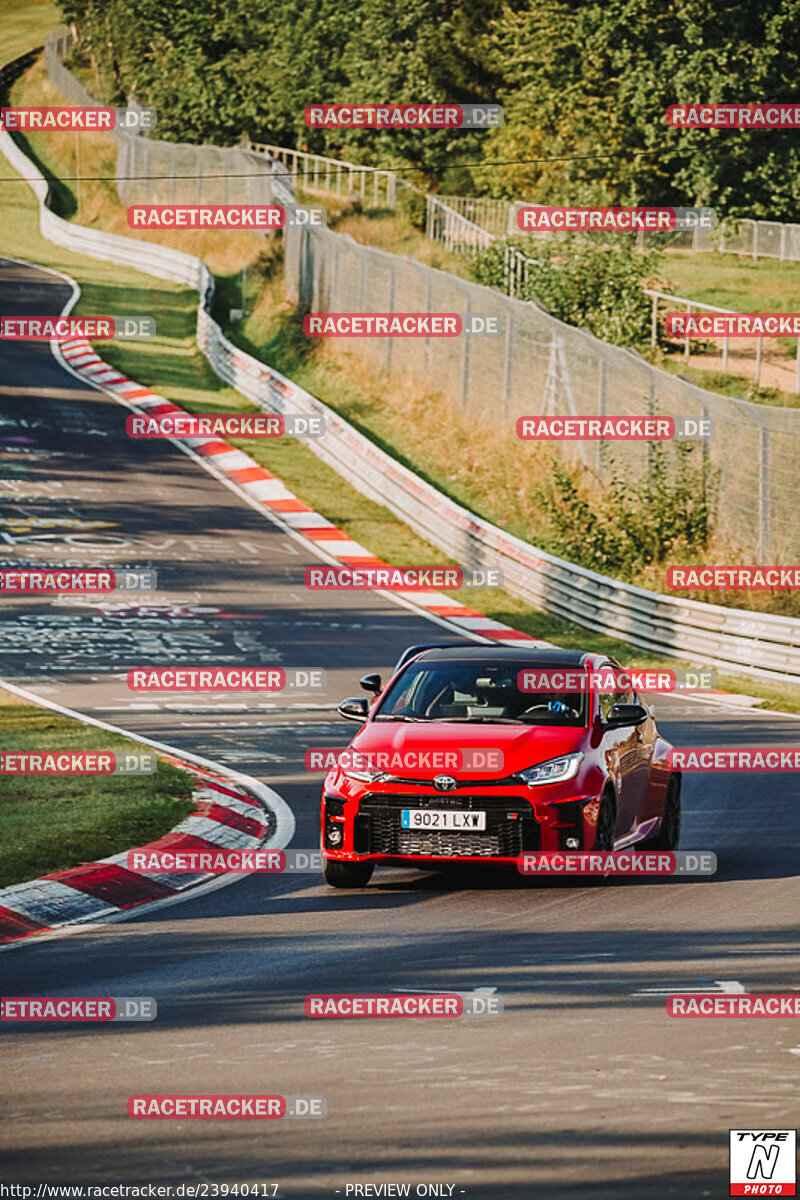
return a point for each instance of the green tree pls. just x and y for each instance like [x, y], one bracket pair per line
[593, 78]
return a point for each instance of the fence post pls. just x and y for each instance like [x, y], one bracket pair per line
[465, 337]
[705, 454]
[602, 397]
[687, 345]
[126, 151]
[334, 287]
[783, 242]
[755, 241]
[362, 260]
[654, 322]
[759, 350]
[651, 410]
[763, 495]
[429, 308]
[392, 291]
[508, 363]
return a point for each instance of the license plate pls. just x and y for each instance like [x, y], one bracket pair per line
[437, 818]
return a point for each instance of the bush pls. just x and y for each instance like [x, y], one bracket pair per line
[622, 529]
[593, 285]
[412, 206]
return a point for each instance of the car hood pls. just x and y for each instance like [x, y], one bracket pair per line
[521, 746]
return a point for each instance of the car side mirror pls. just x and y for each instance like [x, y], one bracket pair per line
[354, 708]
[622, 715]
[371, 683]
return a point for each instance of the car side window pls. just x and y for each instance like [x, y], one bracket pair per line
[608, 699]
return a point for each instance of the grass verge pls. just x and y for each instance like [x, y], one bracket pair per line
[26, 23]
[733, 281]
[50, 823]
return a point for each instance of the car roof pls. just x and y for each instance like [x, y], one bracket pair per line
[534, 655]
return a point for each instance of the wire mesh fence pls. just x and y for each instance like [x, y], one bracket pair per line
[151, 171]
[541, 366]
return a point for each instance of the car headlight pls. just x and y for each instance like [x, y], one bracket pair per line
[364, 774]
[555, 770]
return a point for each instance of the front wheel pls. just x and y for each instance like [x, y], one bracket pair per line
[669, 834]
[347, 874]
[604, 833]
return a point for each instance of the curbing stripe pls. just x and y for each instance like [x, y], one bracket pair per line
[248, 477]
[219, 833]
[114, 884]
[14, 926]
[222, 818]
[50, 902]
[225, 816]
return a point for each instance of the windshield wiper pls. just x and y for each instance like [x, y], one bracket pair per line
[478, 720]
[394, 717]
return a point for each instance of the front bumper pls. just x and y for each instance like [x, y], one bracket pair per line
[369, 828]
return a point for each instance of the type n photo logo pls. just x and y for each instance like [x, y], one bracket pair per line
[763, 1162]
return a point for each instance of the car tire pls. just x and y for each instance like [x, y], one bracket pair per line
[347, 874]
[604, 833]
[669, 834]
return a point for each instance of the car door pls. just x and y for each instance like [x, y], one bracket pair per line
[627, 763]
[651, 801]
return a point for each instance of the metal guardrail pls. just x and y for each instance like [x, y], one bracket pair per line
[750, 643]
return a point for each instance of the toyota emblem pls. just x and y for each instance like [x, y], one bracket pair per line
[444, 783]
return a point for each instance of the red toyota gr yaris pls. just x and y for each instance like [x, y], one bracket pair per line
[455, 763]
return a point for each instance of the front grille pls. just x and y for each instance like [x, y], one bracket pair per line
[378, 829]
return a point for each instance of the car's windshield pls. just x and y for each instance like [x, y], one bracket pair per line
[477, 692]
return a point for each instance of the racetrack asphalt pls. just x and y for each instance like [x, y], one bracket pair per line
[583, 1087]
